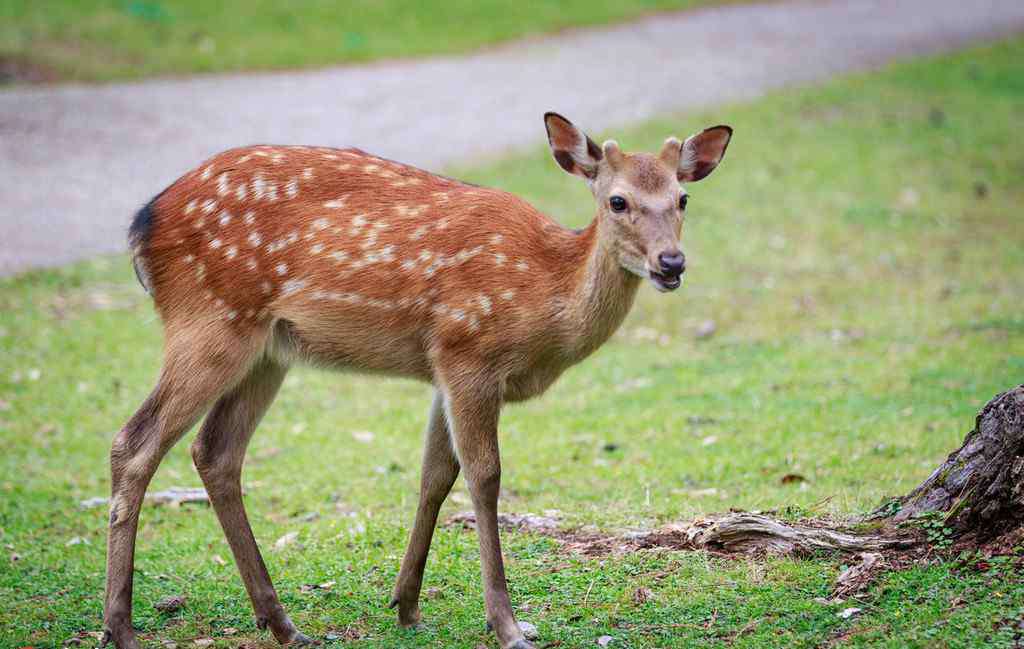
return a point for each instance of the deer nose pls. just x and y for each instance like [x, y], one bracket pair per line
[672, 263]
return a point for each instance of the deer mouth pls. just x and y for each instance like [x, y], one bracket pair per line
[665, 283]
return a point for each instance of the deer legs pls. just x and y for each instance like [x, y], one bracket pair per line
[192, 377]
[472, 407]
[218, 453]
[440, 469]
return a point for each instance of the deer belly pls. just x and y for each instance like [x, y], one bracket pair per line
[351, 339]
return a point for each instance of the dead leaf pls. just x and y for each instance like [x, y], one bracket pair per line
[858, 576]
[230, 630]
[219, 560]
[642, 595]
[203, 642]
[791, 478]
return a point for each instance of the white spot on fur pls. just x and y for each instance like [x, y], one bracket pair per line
[271, 192]
[307, 173]
[317, 248]
[209, 205]
[522, 265]
[408, 264]
[292, 188]
[292, 285]
[241, 191]
[499, 258]
[336, 203]
[496, 239]
[320, 224]
[207, 173]
[258, 186]
[418, 233]
[339, 256]
[255, 239]
[190, 206]
[249, 217]
[281, 269]
[508, 295]
[485, 303]
[222, 184]
[216, 243]
[231, 252]
[189, 259]
[225, 218]
[231, 315]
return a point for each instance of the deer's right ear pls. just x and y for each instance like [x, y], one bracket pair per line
[573, 150]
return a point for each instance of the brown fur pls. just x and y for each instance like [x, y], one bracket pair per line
[265, 256]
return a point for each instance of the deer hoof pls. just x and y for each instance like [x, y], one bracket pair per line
[122, 638]
[521, 644]
[301, 640]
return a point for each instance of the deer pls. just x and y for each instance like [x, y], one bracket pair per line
[267, 256]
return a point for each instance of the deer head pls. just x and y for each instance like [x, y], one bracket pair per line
[640, 198]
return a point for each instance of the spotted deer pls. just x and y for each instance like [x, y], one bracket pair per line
[267, 256]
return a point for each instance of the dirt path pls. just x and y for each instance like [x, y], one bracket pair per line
[76, 161]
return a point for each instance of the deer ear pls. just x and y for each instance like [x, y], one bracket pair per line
[573, 150]
[701, 153]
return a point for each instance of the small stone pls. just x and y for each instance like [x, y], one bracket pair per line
[706, 329]
[170, 604]
[285, 540]
[229, 630]
[604, 640]
[847, 613]
[203, 642]
[529, 630]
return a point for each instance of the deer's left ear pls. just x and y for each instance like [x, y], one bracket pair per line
[573, 150]
[701, 153]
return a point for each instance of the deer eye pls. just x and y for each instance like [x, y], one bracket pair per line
[682, 202]
[617, 203]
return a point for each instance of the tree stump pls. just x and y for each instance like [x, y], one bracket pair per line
[981, 484]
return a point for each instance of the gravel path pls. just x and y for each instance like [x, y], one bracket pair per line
[76, 161]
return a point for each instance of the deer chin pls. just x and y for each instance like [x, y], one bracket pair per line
[664, 283]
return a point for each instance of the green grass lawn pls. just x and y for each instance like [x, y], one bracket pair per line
[98, 40]
[860, 253]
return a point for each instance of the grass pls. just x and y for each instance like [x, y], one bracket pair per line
[100, 40]
[859, 251]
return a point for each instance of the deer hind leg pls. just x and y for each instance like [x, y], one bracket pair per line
[193, 376]
[218, 452]
[440, 469]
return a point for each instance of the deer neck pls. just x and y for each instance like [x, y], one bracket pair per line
[600, 295]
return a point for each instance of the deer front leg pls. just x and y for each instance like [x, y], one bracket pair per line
[472, 404]
[440, 469]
